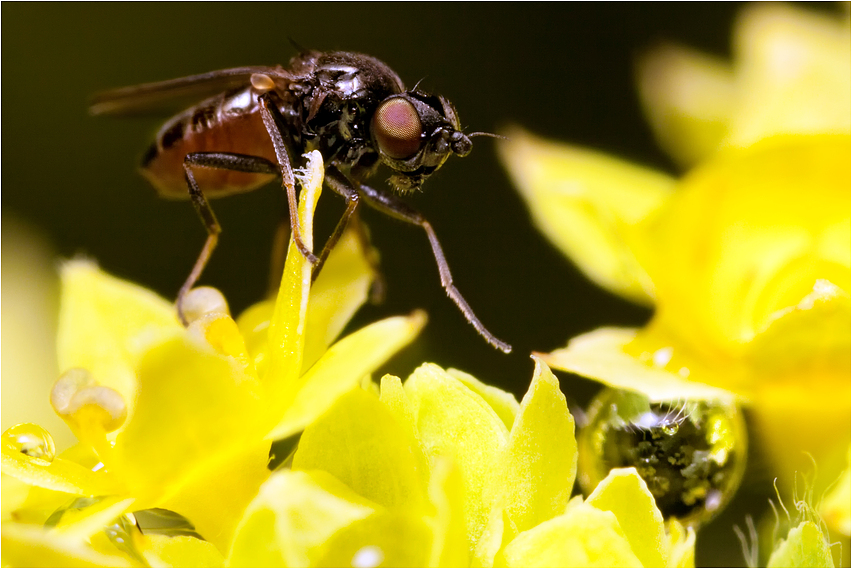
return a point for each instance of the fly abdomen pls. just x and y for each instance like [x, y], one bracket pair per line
[228, 123]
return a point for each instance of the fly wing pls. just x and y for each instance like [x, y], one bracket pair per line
[176, 93]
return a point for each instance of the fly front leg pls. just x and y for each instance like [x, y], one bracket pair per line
[340, 185]
[221, 161]
[394, 207]
[274, 123]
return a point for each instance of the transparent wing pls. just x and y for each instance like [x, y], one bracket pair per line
[177, 93]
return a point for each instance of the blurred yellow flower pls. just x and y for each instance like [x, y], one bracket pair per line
[183, 419]
[746, 258]
[789, 74]
[31, 294]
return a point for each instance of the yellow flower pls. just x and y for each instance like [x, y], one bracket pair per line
[746, 258]
[31, 292]
[789, 75]
[183, 419]
[444, 470]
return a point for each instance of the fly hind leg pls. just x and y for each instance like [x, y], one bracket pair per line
[221, 161]
[394, 207]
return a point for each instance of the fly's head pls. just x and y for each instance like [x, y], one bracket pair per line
[414, 133]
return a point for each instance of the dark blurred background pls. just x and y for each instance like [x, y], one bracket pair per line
[564, 71]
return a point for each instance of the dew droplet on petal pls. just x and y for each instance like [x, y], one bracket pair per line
[368, 556]
[691, 453]
[204, 300]
[124, 533]
[31, 440]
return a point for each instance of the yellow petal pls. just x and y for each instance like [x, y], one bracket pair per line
[359, 442]
[540, 460]
[793, 73]
[343, 366]
[195, 442]
[801, 364]
[446, 494]
[60, 475]
[106, 325]
[503, 402]
[253, 324]
[586, 203]
[454, 421]
[29, 546]
[385, 539]
[14, 495]
[805, 546]
[604, 355]
[582, 537]
[747, 235]
[689, 99]
[287, 327]
[28, 499]
[392, 395]
[681, 545]
[183, 551]
[214, 496]
[340, 290]
[810, 337]
[626, 495]
[86, 522]
[292, 517]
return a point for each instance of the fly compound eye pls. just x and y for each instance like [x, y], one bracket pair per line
[397, 129]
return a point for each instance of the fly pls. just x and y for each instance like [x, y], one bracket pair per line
[351, 107]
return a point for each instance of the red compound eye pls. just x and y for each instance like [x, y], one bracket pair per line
[396, 127]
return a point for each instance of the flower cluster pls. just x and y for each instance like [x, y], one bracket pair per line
[183, 419]
[745, 258]
[443, 470]
[178, 423]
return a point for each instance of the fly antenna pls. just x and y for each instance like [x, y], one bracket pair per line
[489, 134]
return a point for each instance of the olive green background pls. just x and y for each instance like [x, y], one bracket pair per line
[560, 70]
